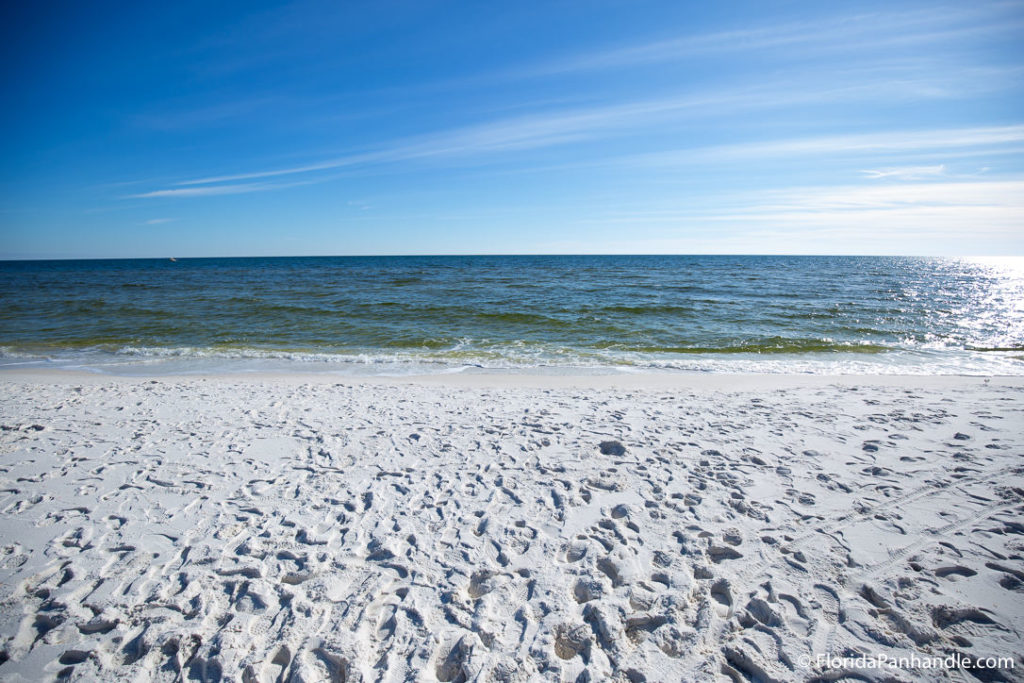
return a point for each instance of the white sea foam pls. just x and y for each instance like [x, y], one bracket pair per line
[463, 357]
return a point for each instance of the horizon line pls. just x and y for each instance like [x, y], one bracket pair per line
[492, 255]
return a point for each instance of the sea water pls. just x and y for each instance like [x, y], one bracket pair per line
[434, 314]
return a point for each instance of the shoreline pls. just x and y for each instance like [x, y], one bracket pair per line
[655, 380]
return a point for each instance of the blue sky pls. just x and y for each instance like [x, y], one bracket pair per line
[215, 129]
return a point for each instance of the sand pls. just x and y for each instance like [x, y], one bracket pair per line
[507, 528]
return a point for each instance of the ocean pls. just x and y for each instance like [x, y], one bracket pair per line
[565, 314]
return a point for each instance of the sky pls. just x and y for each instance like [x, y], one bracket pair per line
[599, 126]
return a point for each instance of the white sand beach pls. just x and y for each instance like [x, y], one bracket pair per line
[508, 528]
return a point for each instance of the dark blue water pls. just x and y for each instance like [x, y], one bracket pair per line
[416, 314]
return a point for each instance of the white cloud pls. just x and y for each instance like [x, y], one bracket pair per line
[1004, 194]
[906, 172]
[573, 125]
[886, 142]
[944, 217]
[921, 217]
[863, 34]
[212, 190]
[504, 135]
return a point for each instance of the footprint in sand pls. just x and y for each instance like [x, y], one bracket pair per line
[721, 595]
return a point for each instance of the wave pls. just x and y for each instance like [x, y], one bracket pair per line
[517, 357]
[774, 345]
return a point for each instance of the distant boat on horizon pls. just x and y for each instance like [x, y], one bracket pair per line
[173, 260]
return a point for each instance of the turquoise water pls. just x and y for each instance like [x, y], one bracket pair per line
[395, 315]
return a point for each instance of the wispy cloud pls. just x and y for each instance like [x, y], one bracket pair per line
[866, 214]
[894, 218]
[905, 141]
[896, 141]
[504, 135]
[878, 77]
[828, 34]
[906, 172]
[1004, 194]
[549, 129]
[824, 205]
[212, 190]
[159, 221]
